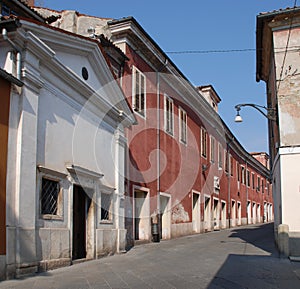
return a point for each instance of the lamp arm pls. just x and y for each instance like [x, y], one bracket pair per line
[257, 107]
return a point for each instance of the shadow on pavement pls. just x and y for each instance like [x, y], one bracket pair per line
[261, 236]
[255, 271]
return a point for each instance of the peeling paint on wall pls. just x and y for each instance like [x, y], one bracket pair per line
[179, 215]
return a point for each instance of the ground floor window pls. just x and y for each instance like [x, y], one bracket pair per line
[50, 196]
[106, 206]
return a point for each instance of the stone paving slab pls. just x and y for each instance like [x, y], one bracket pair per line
[243, 257]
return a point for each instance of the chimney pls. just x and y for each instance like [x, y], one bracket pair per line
[29, 2]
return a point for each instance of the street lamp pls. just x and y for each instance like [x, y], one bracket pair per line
[270, 112]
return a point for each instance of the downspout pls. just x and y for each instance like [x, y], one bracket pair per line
[228, 181]
[158, 141]
[19, 56]
[246, 167]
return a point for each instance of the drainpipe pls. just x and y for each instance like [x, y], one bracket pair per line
[19, 56]
[158, 139]
[228, 181]
[246, 167]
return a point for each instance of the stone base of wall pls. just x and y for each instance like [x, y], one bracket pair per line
[294, 244]
[183, 229]
[26, 269]
[2, 267]
[244, 221]
[110, 241]
[47, 265]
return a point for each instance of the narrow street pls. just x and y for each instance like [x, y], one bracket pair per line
[243, 257]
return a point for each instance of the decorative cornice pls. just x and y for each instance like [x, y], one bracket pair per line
[80, 171]
[51, 172]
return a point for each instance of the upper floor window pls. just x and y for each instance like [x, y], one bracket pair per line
[231, 164]
[203, 142]
[238, 171]
[243, 177]
[262, 186]
[226, 157]
[258, 183]
[169, 115]
[220, 158]
[248, 178]
[182, 125]
[212, 149]
[253, 181]
[139, 91]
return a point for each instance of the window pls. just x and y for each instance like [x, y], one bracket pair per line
[258, 183]
[220, 160]
[212, 149]
[182, 125]
[248, 178]
[238, 171]
[203, 142]
[50, 194]
[231, 164]
[139, 91]
[253, 181]
[226, 154]
[169, 116]
[106, 206]
[243, 175]
[262, 186]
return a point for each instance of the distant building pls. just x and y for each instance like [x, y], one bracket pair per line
[278, 64]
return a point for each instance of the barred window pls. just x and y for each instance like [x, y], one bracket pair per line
[49, 196]
[106, 207]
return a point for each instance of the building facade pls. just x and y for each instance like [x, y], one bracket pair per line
[184, 168]
[278, 65]
[62, 187]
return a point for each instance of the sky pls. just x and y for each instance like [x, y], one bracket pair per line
[203, 26]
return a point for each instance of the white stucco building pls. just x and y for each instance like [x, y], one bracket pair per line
[278, 64]
[66, 147]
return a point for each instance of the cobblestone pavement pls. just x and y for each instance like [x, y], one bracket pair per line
[243, 257]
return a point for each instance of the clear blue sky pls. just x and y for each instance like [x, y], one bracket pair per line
[203, 25]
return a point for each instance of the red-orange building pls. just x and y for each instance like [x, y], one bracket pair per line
[184, 164]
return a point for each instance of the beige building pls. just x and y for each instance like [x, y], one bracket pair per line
[278, 64]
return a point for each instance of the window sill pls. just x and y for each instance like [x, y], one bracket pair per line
[52, 217]
[106, 222]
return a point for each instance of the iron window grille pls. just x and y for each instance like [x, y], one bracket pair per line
[49, 196]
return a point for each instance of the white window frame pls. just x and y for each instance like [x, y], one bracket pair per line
[204, 142]
[169, 115]
[140, 107]
[258, 183]
[51, 175]
[220, 156]
[182, 125]
[253, 180]
[248, 178]
[212, 149]
[243, 175]
[110, 209]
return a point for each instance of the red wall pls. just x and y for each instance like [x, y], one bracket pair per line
[4, 115]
